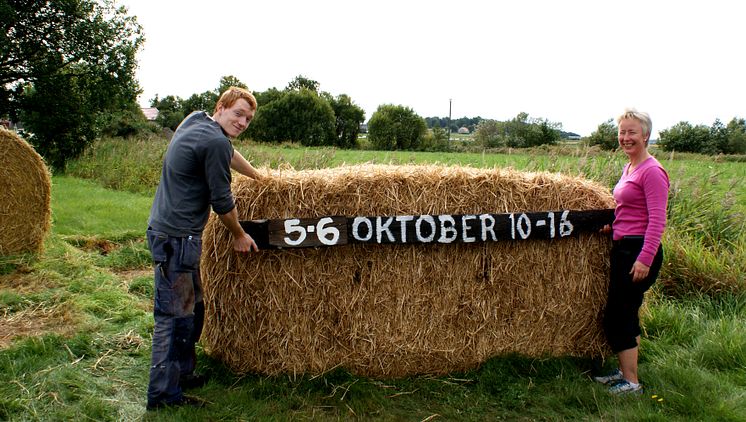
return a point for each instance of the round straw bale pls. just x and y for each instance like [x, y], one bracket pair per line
[398, 310]
[25, 191]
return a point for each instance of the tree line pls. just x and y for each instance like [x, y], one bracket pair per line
[67, 72]
[453, 125]
[683, 137]
[300, 113]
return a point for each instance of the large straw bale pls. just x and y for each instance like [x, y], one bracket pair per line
[25, 191]
[397, 310]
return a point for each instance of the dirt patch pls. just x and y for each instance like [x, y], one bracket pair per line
[35, 321]
[101, 246]
[129, 275]
[27, 282]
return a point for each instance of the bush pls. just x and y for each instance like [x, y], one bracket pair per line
[396, 128]
[684, 137]
[435, 140]
[605, 136]
[490, 134]
[126, 123]
[348, 118]
[300, 116]
[718, 139]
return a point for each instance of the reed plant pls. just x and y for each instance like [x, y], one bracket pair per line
[132, 165]
[705, 244]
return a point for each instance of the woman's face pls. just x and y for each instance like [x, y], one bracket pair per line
[631, 139]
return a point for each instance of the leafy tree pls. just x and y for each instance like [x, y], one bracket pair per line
[467, 122]
[301, 82]
[490, 133]
[730, 139]
[170, 111]
[64, 64]
[544, 132]
[266, 97]
[684, 137]
[348, 118]
[205, 101]
[443, 122]
[301, 116]
[435, 140]
[736, 137]
[395, 127]
[606, 136]
[54, 134]
[227, 82]
[127, 122]
[522, 131]
[717, 142]
[434, 122]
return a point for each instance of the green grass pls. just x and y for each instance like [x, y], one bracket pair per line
[134, 165]
[91, 294]
[84, 208]
[706, 237]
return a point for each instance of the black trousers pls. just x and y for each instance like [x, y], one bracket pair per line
[621, 318]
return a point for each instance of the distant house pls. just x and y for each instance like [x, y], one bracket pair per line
[151, 113]
[363, 128]
[463, 130]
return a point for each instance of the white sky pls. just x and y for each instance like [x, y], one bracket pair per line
[575, 62]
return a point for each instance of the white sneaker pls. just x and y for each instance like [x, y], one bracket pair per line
[626, 387]
[611, 378]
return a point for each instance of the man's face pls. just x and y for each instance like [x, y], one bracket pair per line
[236, 119]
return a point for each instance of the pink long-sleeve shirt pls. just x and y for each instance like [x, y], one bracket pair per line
[642, 197]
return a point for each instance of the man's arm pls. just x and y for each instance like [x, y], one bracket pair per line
[242, 242]
[243, 166]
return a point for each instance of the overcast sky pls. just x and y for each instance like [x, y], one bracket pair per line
[578, 63]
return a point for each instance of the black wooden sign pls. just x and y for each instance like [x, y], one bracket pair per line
[419, 229]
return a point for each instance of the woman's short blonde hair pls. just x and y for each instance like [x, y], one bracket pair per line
[233, 94]
[642, 117]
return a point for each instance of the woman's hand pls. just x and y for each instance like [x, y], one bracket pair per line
[639, 271]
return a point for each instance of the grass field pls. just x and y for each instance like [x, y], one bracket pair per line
[75, 324]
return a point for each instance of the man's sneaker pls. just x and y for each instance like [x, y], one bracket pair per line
[626, 387]
[191, 381]
[610, 378]
[184, 401]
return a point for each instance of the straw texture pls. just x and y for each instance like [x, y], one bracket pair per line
[398, 310]
[25, 191]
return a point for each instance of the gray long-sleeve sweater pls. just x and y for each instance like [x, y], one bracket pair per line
[196, 175]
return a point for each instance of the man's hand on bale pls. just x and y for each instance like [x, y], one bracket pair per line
[245, 244]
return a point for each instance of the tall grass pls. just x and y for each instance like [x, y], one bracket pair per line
[705, 237]
[89, 357]
[125, 164]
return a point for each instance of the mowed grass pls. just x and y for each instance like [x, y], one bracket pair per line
[75, 328]
[85, 208]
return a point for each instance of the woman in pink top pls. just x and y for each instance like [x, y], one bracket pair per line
[636, 255]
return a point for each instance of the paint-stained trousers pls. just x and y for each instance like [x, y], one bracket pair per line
[178, 312]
